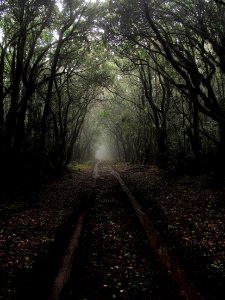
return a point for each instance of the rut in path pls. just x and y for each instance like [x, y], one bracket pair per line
[114, 260]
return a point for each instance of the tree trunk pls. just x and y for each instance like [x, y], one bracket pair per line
[17, 69]
[2, 61]
[162, 147]
[220, 170]
[20, 125]
[47, 103]
[195, 143]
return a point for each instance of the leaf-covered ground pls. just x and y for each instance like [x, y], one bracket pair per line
[188, 214]
[114, 260]
[30, 224]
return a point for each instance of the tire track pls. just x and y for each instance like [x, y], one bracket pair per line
[113, 260]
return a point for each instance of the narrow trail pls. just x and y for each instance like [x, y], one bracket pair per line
[114, 260]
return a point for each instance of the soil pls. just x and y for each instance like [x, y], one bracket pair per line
[190, 218]
[36, 222]
[114, 260]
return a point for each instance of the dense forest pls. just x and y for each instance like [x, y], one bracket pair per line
[143, 78]
[112, 149]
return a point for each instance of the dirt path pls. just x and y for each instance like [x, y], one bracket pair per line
[108, 255]
[190, 218]
[114, 260]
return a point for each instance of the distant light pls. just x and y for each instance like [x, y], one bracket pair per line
[93, 1]
[1, 35]
[60, 5]
[103, 153]
[55, 35]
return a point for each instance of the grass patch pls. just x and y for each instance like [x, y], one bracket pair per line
[81, 166]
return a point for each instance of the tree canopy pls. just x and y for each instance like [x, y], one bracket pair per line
[149, 74]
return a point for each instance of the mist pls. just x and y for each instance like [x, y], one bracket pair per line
[103, 153]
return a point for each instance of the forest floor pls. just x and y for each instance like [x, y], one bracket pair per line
[36, 221]
[190, 218]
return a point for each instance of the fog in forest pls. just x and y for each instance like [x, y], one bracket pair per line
[103, 153]
[102, 85]
[104, 149]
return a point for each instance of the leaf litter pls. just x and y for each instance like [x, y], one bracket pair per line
[190, 216]
[29, 226]
[115, 261]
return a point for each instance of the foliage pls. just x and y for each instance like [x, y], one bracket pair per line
[175, 50]
[48, 78]
[153, 70]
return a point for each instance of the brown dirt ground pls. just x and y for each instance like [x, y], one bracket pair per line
[188, 214]
[31, 225]
[190, 217]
